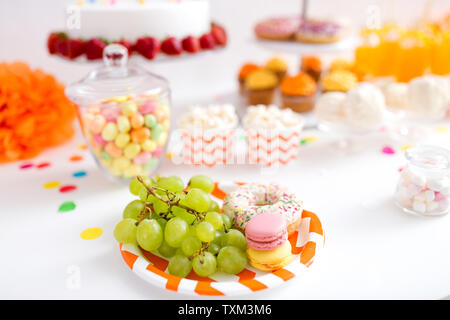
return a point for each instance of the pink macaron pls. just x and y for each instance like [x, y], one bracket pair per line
[266, 231]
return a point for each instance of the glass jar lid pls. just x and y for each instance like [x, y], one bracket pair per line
[115, 78]
[429, 157]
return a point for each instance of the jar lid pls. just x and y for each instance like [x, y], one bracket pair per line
[429, 157]
[115, 78]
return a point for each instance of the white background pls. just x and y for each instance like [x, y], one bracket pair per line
[373, 250]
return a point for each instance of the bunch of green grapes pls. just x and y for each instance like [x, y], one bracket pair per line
[183, 224]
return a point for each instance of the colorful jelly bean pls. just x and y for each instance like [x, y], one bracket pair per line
[128, 133]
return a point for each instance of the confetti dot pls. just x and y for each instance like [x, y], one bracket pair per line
[303, 142]
[388, 150]
[43, 165]
[169, 155]
[26, 166]
[442, 129]
[67, 188]
[82, 147]
[91, 233]
[67, 206]
[79, 174]
[310, 139]
[52, 184]
[76, 158]
[406, 147]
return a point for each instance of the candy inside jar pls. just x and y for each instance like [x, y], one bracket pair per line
[125, 115]
[424, 185]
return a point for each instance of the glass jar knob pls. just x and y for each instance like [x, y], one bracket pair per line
[115, 55]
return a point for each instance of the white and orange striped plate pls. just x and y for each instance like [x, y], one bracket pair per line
[306, 243]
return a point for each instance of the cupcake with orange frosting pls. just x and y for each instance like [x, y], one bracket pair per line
[312, 65]
[260, 87]
[339, 80]
[278, 66]
[245, 70]
[298, 92]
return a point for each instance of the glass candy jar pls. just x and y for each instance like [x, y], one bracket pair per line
[424, 186]
[124, 112]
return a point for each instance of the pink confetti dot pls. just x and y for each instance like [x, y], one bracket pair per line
[67, 188]
[26, 166]
[388, 150]
[43, 165]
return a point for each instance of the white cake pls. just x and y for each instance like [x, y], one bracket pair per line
[132, 19]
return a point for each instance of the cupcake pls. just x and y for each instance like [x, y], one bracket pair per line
[245, 70]
[339, 80]
[312, 65]
[341, 64]
[298, 92]
[277, 66]
[260, 87]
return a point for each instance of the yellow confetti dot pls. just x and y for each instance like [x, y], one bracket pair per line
[82, 146]
[52, 184]
[406, 147]
[442, 129]
[91, 233]
[310, 139]
[169, 155]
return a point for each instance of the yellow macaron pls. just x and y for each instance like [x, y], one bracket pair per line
[270, 260]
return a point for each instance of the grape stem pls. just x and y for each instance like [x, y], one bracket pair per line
[199, 251]
[172, 199]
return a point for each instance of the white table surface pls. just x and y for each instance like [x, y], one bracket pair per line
[373, 250]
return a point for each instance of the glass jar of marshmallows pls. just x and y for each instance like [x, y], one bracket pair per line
[424, 185]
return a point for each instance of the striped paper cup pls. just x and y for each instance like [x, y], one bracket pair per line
[273, 146]
[208, 147]
[306, 243]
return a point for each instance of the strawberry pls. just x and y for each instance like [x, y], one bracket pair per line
[191, 44]
[127, 44]
[207, 41]
[219, 34]
[171, 46]
[148, 47]
[76, 48]
[94, 49]
[53, 42]
[63, 47]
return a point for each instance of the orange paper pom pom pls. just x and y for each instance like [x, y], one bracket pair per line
[34, 112]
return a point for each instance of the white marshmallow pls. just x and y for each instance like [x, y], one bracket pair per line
[432, 206]
[429, 195]
[419, 180]
[419, 206]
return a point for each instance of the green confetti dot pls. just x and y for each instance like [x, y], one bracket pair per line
[67, 206]
[303, 142]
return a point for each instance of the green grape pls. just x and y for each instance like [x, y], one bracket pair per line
[180, 266]
[166, 250]
[175, 232]
[197, 199]
[173, 184]
[162, 222]
[215, 219]
[133, 209]
[183, 214]
[231, 260]
[227, 221]
[160, 206]
[125, 231]
[213, 248]
[218, 238]
[149, 235]
[202, 182]
[204, 264]
[234, 238]
[190, 245]
[143, 194]
[214, 206]
[135, 185]
[205, 231]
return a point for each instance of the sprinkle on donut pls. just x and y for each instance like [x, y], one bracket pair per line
[255, 198]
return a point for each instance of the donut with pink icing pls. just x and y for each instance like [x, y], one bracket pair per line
[280, 28]
[319, 31]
